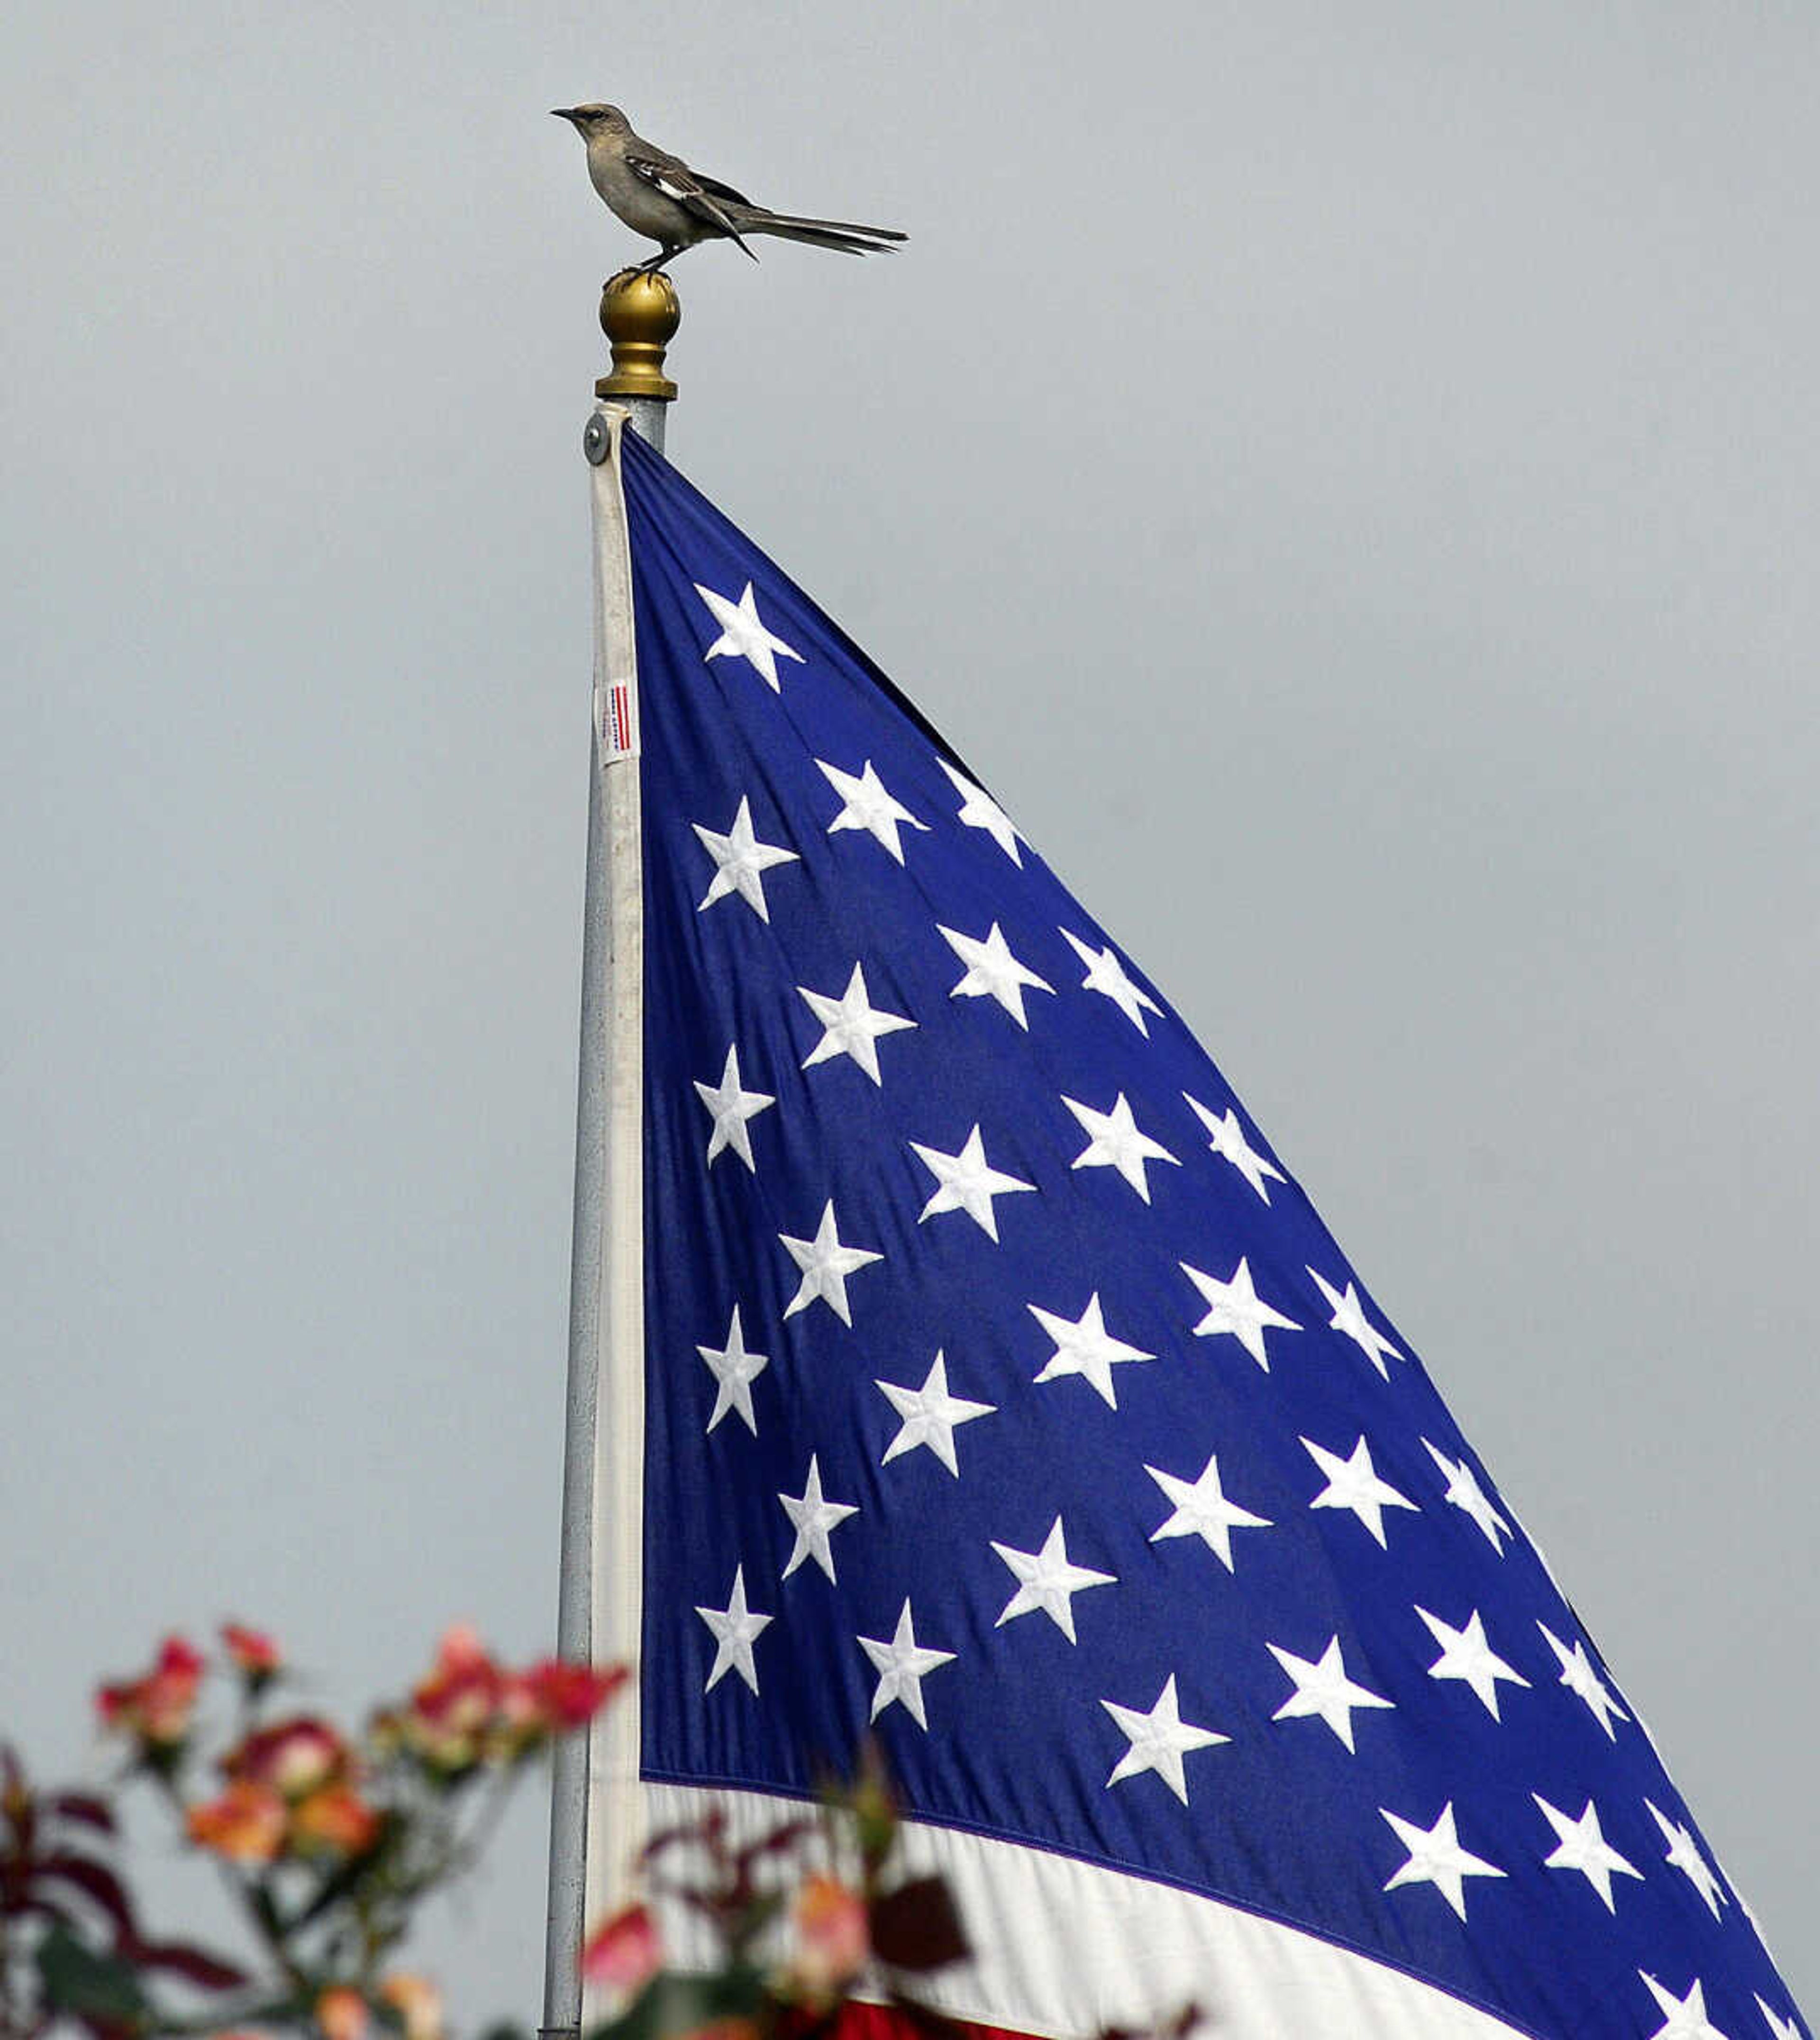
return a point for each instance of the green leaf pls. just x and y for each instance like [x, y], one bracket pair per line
[75, 1979]
[671, 2006]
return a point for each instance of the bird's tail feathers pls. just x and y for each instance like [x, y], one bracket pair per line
[843, 236]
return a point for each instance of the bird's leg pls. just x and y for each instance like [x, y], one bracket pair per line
[657, 261]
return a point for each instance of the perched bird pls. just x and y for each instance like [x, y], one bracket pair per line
[657, 194]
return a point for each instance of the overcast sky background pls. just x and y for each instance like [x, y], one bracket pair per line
[1345, 478]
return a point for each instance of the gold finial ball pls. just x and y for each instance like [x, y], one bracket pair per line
[640, 313]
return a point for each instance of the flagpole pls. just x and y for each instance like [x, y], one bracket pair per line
[639, 315]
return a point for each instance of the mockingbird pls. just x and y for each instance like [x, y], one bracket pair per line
[657, 194]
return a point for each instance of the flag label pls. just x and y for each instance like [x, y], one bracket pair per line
[616, 725]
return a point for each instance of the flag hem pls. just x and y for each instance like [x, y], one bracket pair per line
[1147, 1945]
[616, 969]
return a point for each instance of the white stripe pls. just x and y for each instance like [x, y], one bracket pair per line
[1068, 1949]
[614, 1803]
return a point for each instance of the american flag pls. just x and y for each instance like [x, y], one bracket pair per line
[1006, 1398]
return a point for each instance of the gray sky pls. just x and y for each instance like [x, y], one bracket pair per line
[1344, 477]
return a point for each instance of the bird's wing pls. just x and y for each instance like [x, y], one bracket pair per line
[704, 196]
[716, 189]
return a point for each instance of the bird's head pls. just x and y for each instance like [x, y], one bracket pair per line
[594, 118]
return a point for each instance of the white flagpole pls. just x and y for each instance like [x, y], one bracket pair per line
[593, 1790]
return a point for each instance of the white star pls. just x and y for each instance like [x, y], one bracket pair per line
[868, 806]
[736, 1628]
[1084, 1346]
[730, 1107]
[1048, 1580]
[930, 1416]
[967, 1181]
[1106, 975]
[851, 1025]
[1227, 1139]
[1584, 1848]
[1349, 1317]
[735, 1370]
[1579, 1676]
[1466, 1655]
[979, 810]
[1114, 1141]
[1784, 2029]
[1683, 1854]
[1202, 1510]
[826, 1265]
[1159, 1741]
[1436, 1858]
[1686, 2018]
[1235, 1307]
[1322, 1687]
[740, 862]
[1353, 1484]
[812, 1516]
[993, 971]
[743, 636]
[1466, 1494]
[901, 1665]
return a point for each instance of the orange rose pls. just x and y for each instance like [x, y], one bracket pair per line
[341, 2013]
[418, 2002]
[833, 1943]
[246, 1823]
[335, 1821]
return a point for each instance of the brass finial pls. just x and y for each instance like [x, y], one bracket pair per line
[639, 313]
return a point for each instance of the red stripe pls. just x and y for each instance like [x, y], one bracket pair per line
[881, 2022]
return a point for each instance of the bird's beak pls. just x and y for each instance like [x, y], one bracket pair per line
[562, 112]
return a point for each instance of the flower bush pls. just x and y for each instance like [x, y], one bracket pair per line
[328, 1841]
[804, 1919]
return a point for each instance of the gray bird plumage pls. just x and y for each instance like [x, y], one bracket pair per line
[657, 195]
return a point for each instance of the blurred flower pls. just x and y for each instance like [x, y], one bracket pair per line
[623, 1952]
[418, 2002]
[256, 1657]
[341, 2012]
[452, 1710]
[158, 1707]
[297, 1757]
[833, 1943]
[519, 1724]
[730, 2027]
[570, 1696]
[246, 1823]
[335, 1822]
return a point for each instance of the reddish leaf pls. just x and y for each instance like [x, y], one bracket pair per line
[778, 1842]
[917, 1927]
[667, 1838]
[96, 1881]
[83, 1806]
[45, 1909]
[194, 1965]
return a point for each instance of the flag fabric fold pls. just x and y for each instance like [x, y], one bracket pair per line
[1006, 1399]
